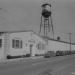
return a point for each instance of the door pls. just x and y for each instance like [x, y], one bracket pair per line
[31, 47]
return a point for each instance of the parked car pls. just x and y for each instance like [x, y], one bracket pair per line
[49, 54]
[59, 53]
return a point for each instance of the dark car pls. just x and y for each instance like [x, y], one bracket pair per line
[59, 53]
[49, 54]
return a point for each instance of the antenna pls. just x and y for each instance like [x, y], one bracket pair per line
[46, 19]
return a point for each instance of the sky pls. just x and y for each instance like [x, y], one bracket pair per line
[18, 15]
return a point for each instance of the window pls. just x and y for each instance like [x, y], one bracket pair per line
[21, 44]
[40, 46]
[13, 43]
[0, 43]
[16, 43]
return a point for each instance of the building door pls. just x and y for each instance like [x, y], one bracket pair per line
[31, 47]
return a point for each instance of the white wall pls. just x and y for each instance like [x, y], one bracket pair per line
[2, 48]
[31, 38]
[37, 40]
[27, 38]
[73, 47]
[55, 45]
[24, 37]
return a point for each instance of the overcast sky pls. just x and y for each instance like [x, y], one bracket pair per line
[25, 14]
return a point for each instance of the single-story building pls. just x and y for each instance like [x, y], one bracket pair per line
[21, 43]
[28, 42]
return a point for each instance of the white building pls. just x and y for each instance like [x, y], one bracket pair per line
[21, 43]
[28, 42]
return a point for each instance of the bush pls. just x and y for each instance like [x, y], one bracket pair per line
[12, 57]
[8, 57]
[39, 54]
[27, 55]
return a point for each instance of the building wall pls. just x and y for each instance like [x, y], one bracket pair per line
[6, 44]
[28, 38]
[39, 41]
[2, 48]
[55, 46]
[73, 47]
[19, 36]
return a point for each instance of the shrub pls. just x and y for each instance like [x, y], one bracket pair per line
[27, 55]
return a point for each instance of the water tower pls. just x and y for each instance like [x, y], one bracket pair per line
[46, 19]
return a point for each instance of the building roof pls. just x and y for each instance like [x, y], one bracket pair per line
[43, 37]
[58, 40]
[16, 31]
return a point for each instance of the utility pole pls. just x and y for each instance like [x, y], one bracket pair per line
[70, 40]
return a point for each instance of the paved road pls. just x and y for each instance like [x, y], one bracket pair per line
[51, 66]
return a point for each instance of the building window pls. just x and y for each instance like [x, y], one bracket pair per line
[21, 44]
[40, 46]
[16, 43]
[0, 43]
[13, 43]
